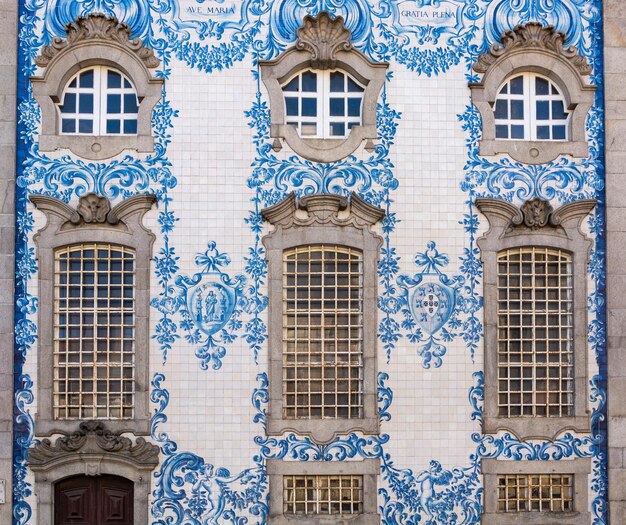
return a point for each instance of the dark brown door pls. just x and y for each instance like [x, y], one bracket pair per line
[93, 500]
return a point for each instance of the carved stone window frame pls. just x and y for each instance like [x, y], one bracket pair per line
[538, 49]
[368, 468]
[66, 226]
[322, 219]
[537, 225]
[323, 43]
[580, 468]
[95, 40]
[92, 451]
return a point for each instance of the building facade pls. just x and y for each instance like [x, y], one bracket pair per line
[313, 261]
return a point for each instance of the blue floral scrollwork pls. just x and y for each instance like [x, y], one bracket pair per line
[210, 303]
[428, 301]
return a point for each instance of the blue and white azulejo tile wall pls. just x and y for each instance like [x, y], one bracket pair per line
[213, 170]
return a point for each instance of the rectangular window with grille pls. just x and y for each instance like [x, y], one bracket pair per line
[94, 332]
[536, 493]
[535, 333]
[323, 332]
[323, 495]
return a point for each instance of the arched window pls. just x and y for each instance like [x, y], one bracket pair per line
[97, 90]
[99, 101]
[531, 107]
[323, 92]
[323, 104]
[94, 336]
[533, 96]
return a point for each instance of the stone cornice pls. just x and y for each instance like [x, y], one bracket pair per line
[93, 209]
[532, 36]
[323, 208]
[97, 27]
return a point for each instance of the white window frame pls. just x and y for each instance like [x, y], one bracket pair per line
[530, 98]
[100, 91]
[322, 95]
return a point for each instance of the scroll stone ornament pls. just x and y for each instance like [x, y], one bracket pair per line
[97, 27]
[323, 36]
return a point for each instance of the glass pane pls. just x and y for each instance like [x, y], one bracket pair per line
[291, 104]
[69, 103]
[293, 85]
[85, 126]
[130, 126]
[502, 132]
[114, 80]
[558, 132]
[517, 86]
[558, 111]
[130, 103]
[68, 126]
[502, 110]
[517, 132]
[542, 86]
[504, 90]
[543, 132]
[353, 87]
[517, 109]
[354, 107]
[337, 107]
[114, 103]
[86, 79]
[113, 126]
[337, 82]
[127, 84]
[337, 129]
[73, 83]
[309, 107]
[543, 110]
[308, 130]
[309, 81]
[85, 103]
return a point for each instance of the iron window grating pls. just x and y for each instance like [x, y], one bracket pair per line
[535, 493]
[324, 494]
[94, 332]
[535, 332]
[323, 332]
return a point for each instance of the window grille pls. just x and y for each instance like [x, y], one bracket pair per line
[99, 101]
[535, 493]
[94, 329]
[323, 332]
[530, 107]
[323, 495]
[535, 333]
[323, 104]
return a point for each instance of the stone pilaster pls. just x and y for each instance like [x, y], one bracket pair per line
[615, 100]
[8, 70]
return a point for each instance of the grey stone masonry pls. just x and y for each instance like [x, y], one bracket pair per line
[8, 71]
[615, 100]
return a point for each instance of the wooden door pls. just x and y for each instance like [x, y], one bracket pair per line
[93, 500]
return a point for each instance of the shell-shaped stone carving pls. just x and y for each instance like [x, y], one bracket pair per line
[536, 213]
[92, 208]
[323, 36]
[97, 27]
[533, 36]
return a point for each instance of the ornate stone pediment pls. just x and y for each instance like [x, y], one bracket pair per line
[533, 36]
[323, 36]
[97, 27]
[93, 209]
[534, 214]
[93, 439]
[323, 208]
